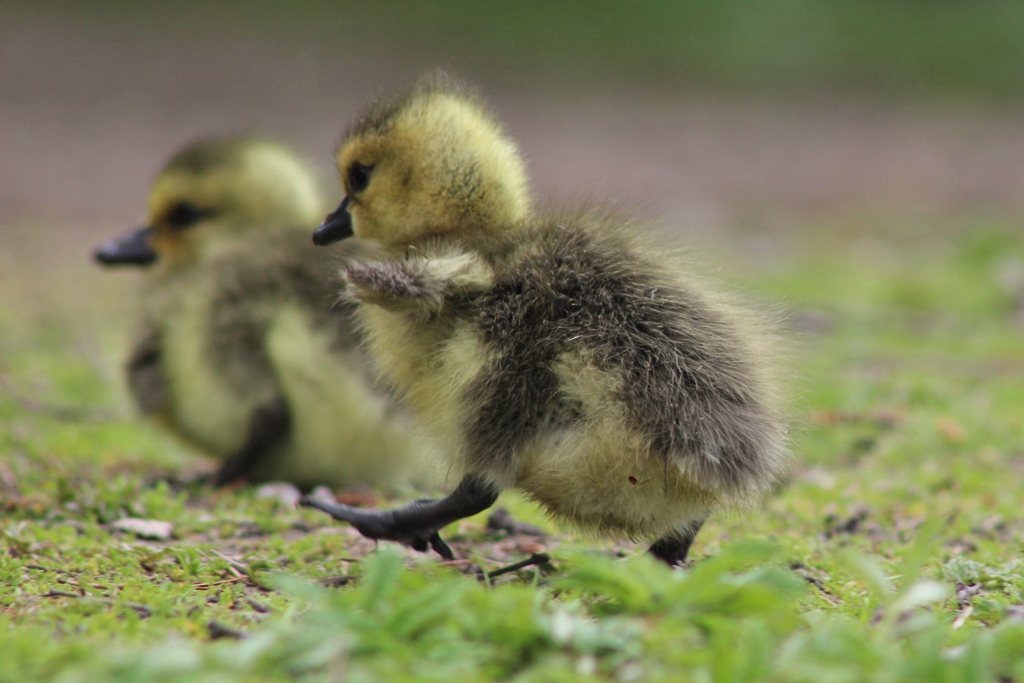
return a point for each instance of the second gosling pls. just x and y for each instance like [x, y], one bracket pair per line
[556, 355]
[243, 349]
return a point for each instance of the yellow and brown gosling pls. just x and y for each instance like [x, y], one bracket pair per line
[243, 349]
[554, 354]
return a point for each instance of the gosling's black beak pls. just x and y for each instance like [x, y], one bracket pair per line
[336, 227]
[132, 249]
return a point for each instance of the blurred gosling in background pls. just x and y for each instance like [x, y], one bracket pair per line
[243, 348]
[555, 354]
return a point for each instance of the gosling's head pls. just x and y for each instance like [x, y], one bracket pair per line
[430, 161]
[212, 193]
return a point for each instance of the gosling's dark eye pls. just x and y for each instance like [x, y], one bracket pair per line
[185, 215]
[358, 176]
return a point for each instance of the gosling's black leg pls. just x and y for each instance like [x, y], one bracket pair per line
[672, 549]
[416, 524]
[268, 427]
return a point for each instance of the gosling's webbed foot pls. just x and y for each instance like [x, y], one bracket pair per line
[438, 545]
[416, 524]
[383, 525]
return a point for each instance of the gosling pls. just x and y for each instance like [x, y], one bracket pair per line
[553, 354]
[243, 350]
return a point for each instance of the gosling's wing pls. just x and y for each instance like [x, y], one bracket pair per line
[424, 283]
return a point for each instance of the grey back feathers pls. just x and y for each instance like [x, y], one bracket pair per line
[581, 285]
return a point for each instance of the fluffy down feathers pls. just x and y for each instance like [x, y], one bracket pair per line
[555, 354]
[243, 349]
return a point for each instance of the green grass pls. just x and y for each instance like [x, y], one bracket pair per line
[893, 556]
